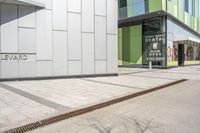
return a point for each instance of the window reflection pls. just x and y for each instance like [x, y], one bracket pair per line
[132, 8]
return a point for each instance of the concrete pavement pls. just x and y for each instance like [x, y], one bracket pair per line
[22, 102]
[171, 110]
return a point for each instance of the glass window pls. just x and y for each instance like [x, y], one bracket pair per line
[193, 8]
[122, 9]
[146, 2]
[122, 4]
[122, 13]
[175, 2]
[139, 8]
[199, 9]
[154, 44]
[187, 6]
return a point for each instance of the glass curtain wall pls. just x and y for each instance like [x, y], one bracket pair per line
[122, 8]
[178, 35]
[154, 42]
[187, 11]
[130, 8]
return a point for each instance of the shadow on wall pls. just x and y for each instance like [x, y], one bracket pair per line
[11, 12]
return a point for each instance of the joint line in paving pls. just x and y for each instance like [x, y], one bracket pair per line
[151, 77]
[34, 97]
[114, 84]
[179, 73]
[137, 72]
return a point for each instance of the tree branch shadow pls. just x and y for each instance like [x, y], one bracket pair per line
[143, 126]
[128, 125]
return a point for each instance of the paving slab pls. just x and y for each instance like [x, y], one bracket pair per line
[26, 101]
[171, 110]
[187, 72]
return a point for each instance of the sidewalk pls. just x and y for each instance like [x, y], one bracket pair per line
[174, 109]
[23, 102]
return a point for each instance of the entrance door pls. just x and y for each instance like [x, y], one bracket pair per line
[181, 55]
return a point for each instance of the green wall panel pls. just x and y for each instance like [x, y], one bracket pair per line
[130, 45]
[191, 62]
[190, 6]
[120, 46]
[130, 8]
[174, 7]
[195, 24]
[169, 7]
[136, 50]
[164, 5]
[198, 22]
[181, 4]
[181, 14]
[177, 9]
[172, 63]
[136, 30]
[126, 45]
[155, 5]
[136, 45]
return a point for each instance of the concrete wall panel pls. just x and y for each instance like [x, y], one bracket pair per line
[67, 37]
[59, 53]
[9, 69]
[100, 7]
[48, 3]
[44, 35]
[9, 41]
[88, 15]
[27, 69]
[100, 67]
[60, 14]
[88, 53]
[74, 67]
[74, 36]
[112, 64]
[26, 16]
[27, 44]
[100, 37]
[111, 16]
[44, 68]
[74, 6]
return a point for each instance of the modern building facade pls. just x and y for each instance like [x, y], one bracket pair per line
[53, 38]
[163, 32]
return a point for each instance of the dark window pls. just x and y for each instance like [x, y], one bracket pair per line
[122, 3]
[187, 6]
[153, 26]
[146, 6]
[193, 8]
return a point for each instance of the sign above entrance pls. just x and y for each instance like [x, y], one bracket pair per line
[17, 57]
[154, 47]
[155, 38]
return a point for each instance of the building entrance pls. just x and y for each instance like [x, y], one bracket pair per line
[154, 42]
[181, 55]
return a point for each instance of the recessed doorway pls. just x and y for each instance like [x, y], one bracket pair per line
[181, 55]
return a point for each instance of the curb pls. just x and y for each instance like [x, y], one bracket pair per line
[83, 110]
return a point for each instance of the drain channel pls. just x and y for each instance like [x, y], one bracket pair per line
[67, 115]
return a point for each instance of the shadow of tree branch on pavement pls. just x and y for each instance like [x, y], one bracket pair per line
[97, 124]
[128, 125]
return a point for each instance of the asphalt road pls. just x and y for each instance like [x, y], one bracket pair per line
[175, 109]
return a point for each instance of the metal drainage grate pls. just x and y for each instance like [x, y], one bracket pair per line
[64, 116]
